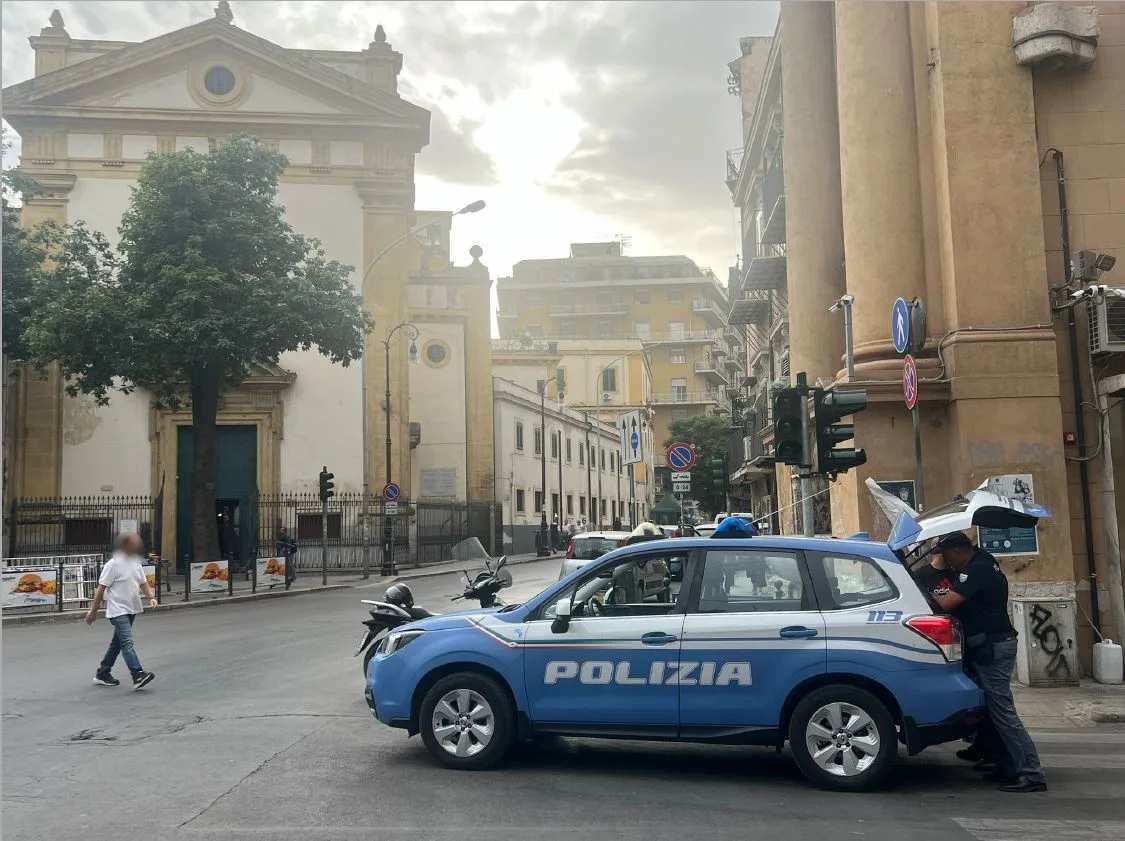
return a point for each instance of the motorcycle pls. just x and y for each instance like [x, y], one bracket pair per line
[393, 611]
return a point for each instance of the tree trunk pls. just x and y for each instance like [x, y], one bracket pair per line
[204, 415]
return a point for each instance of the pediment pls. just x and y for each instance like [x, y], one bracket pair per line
[167, 74]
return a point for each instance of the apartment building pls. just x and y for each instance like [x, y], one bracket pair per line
[675, 309]
[976, 161]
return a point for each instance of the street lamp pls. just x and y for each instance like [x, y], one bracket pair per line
[413, 333]
[542, 385]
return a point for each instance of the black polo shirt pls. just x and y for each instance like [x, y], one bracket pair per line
[985, 590]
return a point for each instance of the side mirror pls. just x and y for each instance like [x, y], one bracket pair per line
[562, 616]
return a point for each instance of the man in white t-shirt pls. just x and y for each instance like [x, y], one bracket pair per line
[120, 586]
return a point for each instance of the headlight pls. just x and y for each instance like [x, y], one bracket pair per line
[398, 641]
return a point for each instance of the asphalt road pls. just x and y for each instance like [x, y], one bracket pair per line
[256, 728]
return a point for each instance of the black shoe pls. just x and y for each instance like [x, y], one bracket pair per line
[1024, 784]
[1000, 777]
[970, 755]
[142, 680]
[106, 679]
[986, 765]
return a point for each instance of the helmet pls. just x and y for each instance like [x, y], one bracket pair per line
[735, 527]
[645, 531]
[399, 594]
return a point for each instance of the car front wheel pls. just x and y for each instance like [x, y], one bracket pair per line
[843, 738]
[466, 721]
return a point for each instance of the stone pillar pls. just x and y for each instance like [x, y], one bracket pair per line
[479, 440]
[813, 225]
[387, 215]
[38, 433]
[879, 174]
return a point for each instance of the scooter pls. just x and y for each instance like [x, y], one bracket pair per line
[388, 615]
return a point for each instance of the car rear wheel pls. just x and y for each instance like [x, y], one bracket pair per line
[466, 721]
[843, 738]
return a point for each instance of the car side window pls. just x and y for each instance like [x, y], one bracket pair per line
[635, 587]
[753, 581]
[855, 581]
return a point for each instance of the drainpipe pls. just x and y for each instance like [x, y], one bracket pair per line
[1079, 418]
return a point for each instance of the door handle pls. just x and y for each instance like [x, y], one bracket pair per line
[657, 638]
[797, 632]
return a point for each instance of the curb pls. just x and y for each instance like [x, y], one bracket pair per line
[434, 573]
[78, 615]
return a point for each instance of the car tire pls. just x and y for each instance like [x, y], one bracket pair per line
[467, 721]
[843, 738]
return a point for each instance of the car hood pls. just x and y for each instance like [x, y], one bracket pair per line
[444, 621]
[976, 508]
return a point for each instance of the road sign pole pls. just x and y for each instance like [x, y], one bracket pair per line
[919, 488]
[806, 460]
[324, 543]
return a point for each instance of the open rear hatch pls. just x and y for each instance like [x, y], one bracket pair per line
[976, 508]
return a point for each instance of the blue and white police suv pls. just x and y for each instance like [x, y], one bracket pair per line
[837, 651]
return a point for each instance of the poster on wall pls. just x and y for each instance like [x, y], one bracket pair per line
[1020, 487]
[150, 577]
[271, 571]
[211, 577]
[30, 589]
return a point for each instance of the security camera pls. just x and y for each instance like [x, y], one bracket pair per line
[841, 302]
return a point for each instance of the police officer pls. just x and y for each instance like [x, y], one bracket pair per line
[978, 597]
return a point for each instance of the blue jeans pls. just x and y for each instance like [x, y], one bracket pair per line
[122, 643]
[1019, 757]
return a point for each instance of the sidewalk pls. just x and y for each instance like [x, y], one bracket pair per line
[308, 581]
[1061, 708]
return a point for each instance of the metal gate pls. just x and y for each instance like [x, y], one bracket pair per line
[442, 524]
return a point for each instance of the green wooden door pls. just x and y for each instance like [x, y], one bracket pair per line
[236, 483]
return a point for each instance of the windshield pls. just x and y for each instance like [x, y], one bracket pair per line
[592, 548]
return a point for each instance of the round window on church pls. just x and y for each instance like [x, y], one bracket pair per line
[436, 354]
[219, 81]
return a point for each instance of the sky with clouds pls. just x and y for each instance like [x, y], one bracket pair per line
[575, 121]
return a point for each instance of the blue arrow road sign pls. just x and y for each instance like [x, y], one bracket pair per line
[900, 325]
[635, 442]
[391, 492]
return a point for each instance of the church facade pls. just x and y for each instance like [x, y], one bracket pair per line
[89, 117]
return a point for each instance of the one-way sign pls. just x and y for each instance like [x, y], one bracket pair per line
[630, 427]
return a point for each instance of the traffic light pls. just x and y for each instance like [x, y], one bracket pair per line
[326, 484]
[830, 407]
[788, 446]
[719, 472]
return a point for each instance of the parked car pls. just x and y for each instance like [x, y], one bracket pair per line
[589, 546]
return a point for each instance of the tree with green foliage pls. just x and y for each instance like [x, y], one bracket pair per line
[23, 256]
[207, 280]
[709, 434]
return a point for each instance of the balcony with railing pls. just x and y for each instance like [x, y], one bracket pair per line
[686, 337]
[710, 311]
[766, 270]
[712, 370]
[773, 203]
[683, 397]
[734, 167]
[606, 307]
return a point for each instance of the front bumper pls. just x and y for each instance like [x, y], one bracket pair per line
[958, 726]
[369, 696]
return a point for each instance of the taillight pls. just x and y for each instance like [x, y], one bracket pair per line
[942, 631]
[570, 550]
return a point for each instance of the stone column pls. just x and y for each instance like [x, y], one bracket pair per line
[813, 221]
[879, 173]
[479, 440]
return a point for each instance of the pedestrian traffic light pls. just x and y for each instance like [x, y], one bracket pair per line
[830, 407]
[788, 443]
[326, 484]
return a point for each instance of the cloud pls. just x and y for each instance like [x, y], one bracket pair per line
[602, 117]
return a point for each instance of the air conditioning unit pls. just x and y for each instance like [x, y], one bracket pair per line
[1107, 325]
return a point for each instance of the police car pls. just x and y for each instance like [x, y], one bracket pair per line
[837, 652]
